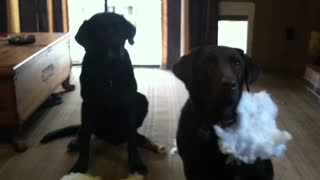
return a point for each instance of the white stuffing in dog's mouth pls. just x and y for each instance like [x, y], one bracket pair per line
[255, 135]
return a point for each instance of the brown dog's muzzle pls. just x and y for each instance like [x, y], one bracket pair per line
[229, 91]
[228, 84]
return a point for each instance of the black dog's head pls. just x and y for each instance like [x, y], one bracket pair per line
[214, 77]
[105, 31]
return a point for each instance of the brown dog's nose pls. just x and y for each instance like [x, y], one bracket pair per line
[229, 84]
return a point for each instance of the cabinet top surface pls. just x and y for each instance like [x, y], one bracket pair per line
[13, 55]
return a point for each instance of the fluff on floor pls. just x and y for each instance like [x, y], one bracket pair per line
[134, 176]
[80, 176]
[174, 149]
[255, 135]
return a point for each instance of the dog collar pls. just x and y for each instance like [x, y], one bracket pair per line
[207, 133]
[204, 134]
[232, 161]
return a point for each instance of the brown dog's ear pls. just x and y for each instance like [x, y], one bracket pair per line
[252, 71]
[82, 34]
[183, 69]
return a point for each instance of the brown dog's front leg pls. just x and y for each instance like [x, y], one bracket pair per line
[134, 159]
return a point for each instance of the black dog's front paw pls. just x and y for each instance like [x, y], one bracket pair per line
[139, 168]
[80, 167]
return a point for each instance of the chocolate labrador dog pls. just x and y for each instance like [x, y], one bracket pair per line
[214, 77]
[112, 109]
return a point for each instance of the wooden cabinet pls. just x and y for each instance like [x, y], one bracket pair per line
[29, 74]
[312, 80]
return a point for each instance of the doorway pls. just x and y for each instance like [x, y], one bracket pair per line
[235, 26]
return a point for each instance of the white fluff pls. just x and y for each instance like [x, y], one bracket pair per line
[134, 176]
[256, 134]
[79, 176]
[174, 149]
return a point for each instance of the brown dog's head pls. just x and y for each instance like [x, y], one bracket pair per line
[105, 31]
[214, 77]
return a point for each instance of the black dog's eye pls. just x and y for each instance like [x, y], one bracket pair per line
[235, 62]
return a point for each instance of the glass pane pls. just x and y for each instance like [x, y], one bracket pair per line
[80, 10]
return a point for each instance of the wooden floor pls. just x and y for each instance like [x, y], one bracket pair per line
[299, 114]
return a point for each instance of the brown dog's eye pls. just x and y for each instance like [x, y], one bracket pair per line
[236, 62]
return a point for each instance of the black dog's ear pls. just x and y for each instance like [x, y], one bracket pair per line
[131, 31]
[82, 34]
[183, 69]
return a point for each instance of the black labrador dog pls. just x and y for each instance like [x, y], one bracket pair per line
[214, 77]
[112, 109]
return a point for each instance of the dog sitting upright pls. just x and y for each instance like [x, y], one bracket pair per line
[214, 77]
[112, 109]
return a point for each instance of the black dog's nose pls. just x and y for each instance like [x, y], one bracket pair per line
[229, 84]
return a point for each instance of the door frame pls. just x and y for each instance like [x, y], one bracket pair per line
[235, 10]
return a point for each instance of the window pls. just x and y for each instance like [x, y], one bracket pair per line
[146, 16]
[130, 10]
[111, 9]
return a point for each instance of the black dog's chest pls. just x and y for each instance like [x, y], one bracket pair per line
[109, 74]
[111, 69]
[105, 80]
